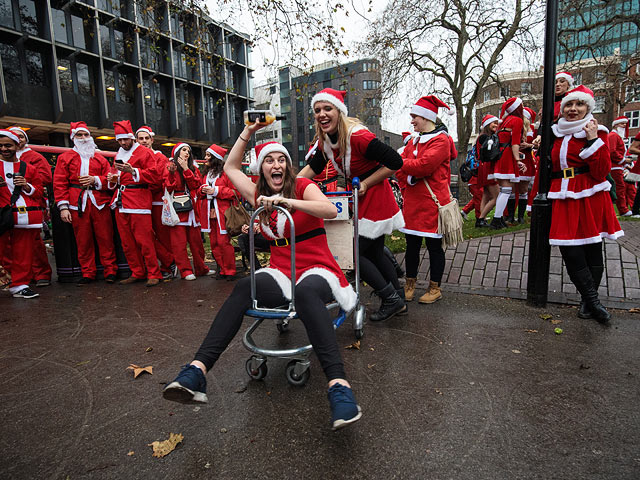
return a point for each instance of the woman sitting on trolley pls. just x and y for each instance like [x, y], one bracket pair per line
[318, 277]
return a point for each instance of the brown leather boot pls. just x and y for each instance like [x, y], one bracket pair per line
[432, 294]
[131, 279]
[152, 282]
[409, 289]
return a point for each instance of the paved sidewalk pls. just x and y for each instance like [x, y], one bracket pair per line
[497, 266]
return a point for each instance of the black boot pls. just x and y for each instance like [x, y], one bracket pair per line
[522, 209]
[400, 292]
[481, 223]
[392, 257]
[584, 282]
[497, 223]
[511, 210]
[596, 274]
[391, 304]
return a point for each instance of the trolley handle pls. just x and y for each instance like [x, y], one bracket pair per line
[356, 183]
[252, 259]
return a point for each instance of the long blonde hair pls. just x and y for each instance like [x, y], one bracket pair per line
[345, 126]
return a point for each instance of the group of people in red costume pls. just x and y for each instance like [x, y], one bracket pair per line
[87, 187]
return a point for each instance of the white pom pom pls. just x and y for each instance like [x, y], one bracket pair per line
[451, 111]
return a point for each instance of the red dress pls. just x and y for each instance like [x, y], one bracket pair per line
[174, 184]
[224, 195]
[530, 172]
[313, 256]
[428, 159]
[378, 212]
[582, 212]
[506, 168]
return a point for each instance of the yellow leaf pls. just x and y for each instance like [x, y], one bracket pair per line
[354, 346]
[130, 453]
[164, 448]
[148, 349]
[556, 322]
[634, 310]
[138, 370]
[545, 316]
[516, 351]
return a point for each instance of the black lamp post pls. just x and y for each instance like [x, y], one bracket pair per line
[539, 248]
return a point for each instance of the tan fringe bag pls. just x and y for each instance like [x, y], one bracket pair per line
[449, 220]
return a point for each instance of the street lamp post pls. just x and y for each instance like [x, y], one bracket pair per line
[539, 248]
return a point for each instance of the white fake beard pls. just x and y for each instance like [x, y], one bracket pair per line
[621, 131]
[85, 147]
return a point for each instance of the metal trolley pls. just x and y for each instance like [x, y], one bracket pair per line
[297, 370]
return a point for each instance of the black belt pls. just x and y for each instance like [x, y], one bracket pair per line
[367, 174]
[283, 242]
[328, 180]
[133, 185]
[20, 209]
[88, 187]
[570, 172]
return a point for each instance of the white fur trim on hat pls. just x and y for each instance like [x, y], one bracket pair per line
[489, 121]
[146, 130]
[26, 137]
[327, 97]
[585, 97]
[120, 136]
[516, 103]
[268, 149]
[12, 136]
[79, 129]
[215, 154]
[619, 121]
[566, 76]
[424, 112]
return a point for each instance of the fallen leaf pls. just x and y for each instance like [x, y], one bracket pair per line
[438, 391]
[516, 351]
[207, 465]
[131, 453]
[98, 298]
[634, 310]
[584, 367]
[223, 430]
[557, 331]
[546, 316]
[82, 363]
[164, 448]
[354, 346]
[528, 330]
[148, 349]
[555, 322]
[241, 389]
[200, 301]
[371, 365]
[372, 349]
[138, 370]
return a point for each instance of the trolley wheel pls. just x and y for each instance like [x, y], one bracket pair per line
[282, 327]
[359, 332]
[295, 379]
[257, 373]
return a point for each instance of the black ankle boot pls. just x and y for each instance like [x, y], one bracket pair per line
[522, 209]
[584, 282]
[392, 257]
[391, 304]
[404, 311]
[481, 223]
[511, 210]
[596, 274]
[497, 223]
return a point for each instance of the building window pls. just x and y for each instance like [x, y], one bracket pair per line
[110, 84]
[505, 91]
[86, 85]
[487, 95]
[28, 17]
[10, 63]
[78, 32]
[370, 85]
[118, 38]
[600, 105]
[35, 68]
[105, 41]
[633, 116]
[577, 79]
[599, 77]
[369, 67]
[59, 25]
[126, 88]
[6, 14]
[525, 88]
[632, 93]
[64, 74]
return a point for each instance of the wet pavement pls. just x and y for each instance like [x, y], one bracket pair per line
[471, 387]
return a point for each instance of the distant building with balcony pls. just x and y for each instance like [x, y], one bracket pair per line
[147, 61]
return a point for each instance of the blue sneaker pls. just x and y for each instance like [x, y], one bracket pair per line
[344, 409]
[190, 386]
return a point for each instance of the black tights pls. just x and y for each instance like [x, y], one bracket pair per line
[579, 257]
[436, 256]
[375, 267]
[312, 293]
[635, 209]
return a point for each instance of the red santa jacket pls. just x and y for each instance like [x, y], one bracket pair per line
[569, 151]
[67, 190]
[157, 189]
[133, 189]
[220, 200]
[42, 165]
[427, 158]
[617, 150]
[174, 184]
[27, 212]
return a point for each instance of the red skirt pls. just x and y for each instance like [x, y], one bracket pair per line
[506, 168]
[484, 169]
[583, 221]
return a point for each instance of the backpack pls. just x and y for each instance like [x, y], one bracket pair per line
[491, 150]
[470, 166]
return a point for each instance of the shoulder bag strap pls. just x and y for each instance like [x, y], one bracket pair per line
[435, 199]
[18, 190]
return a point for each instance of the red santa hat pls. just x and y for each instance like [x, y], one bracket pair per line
[76, 127]
[510, 106]
[267, 148]
[334, 97]
[567, 76]
[19, 130]
[406, 136]
[579, 93]
[217, 151]
[145, 129]
[427, 107]
[9, 134]
[123, 129]
[177, 148]
[488, 119]
[530, 114]
[622, 121]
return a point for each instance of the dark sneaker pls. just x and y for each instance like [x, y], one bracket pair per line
[84, 281]
[166, 276]
[344, 409]
[26, 293]
[190, 386]
[174, 270]
[43, 282]
[110, 278]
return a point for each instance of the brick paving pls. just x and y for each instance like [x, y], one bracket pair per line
[497, 266]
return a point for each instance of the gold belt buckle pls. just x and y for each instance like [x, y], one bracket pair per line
[22, 209]
[282, 242]
[568, 173]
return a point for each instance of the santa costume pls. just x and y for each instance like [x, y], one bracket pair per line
[618, 152]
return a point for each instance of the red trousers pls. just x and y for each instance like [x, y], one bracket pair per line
[630, 192]
[621, 201]
[41, 267]
[476, 199]
[222, 250]
[96, 224]
[180, 235]
[19, 245]
[162, 238]
[136, 234]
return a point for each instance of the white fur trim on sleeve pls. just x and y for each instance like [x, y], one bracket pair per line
[595, 146]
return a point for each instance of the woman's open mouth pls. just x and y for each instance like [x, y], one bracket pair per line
[277, 178]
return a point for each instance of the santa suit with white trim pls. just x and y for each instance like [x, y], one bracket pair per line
[41, 266]
[188, 230]
[216, 204]
[618, 151]
[134, 216]
[90, 213]
[19, 242]
[510, 131]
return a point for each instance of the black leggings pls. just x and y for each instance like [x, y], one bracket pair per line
[578, 257]
[436, 256]
[312, 293]
[635, 209]
[375, 267]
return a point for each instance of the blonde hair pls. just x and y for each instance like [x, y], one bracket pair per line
[345, 127]
[526, 123]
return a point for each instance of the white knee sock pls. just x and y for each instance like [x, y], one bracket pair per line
[501, 202]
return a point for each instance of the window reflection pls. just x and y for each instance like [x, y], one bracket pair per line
[10, 63]
[28, 17]
[64, 74]
[85, 79]
[35, 68]
[6, 14]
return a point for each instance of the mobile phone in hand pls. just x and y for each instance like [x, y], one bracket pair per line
[119, 161]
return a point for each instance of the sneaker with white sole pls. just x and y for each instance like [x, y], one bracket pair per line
[344, 409]
[190, 386]
[464, 215]
[26, 293]
[191, 276]
[174, 270]
[628, 214]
